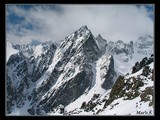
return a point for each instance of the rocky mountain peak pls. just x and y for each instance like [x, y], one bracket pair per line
[102, 43]
[81, 32]
[120, 42]
[82, 41]
[144, 45]
[131, 43]
[144, 41]
[84, 27]
[99, 36]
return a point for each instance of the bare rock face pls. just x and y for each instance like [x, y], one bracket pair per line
[79, 51]
[22, 71]
[142, 63]
[128, 88]
[110, 74]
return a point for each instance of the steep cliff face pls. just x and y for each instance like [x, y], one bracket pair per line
[110, 74]
[72, 72]
[102, 43]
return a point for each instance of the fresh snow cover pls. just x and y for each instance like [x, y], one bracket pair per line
[76, 105]
[49, 70]
[21, 111]
[38, 50]
[131, 107]
[127, 107]
[117, 107]
[87, 96]
[59, 82]
[10, 50]
[96, 85]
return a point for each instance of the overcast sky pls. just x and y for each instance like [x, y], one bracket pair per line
[25, 23]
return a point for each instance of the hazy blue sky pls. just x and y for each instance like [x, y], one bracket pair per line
[25, 23]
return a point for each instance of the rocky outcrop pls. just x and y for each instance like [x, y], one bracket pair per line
[109, 75]
[128, 88]
[139, 65]
[102, 43]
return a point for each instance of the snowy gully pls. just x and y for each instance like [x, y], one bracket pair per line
[144, 112]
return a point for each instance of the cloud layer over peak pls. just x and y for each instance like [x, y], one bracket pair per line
[25, 23]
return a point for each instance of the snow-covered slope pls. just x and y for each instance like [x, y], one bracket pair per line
[100, 72]
[78, 77]
[132, 94]
[137, 99]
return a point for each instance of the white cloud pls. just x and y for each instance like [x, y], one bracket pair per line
[125, 22]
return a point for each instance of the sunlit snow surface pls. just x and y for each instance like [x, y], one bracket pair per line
[131, 107]
[118, 107]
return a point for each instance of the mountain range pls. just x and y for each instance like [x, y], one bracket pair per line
[84, 75]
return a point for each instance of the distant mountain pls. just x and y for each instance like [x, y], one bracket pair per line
[127, 54]
[35, 42]
[78, 77]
